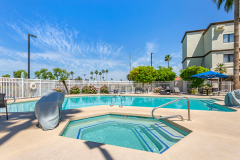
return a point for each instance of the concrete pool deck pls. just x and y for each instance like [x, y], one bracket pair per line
[215, 135]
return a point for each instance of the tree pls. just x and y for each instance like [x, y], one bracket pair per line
[17, 74]
[168, 58]
[221, 69]
[72, 73]
[63, 77]
[106, 73]
[190, 71]
[37, 75]
[120, 79]
[78, 78]
[227, 7]
[100, 73]
[6, 75]
[94, 79]
[128, 77]
[103, 71]
[111, 79]
[96, 72]
[103, 78]
[56, 72]
[91, 74]
[43, 73]
[50, 76]
[165, 74]
[143, 74]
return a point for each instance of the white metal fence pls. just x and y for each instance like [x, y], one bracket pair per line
[20, 87]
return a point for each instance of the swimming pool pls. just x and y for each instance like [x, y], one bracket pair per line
[96, 100]
[139, 133]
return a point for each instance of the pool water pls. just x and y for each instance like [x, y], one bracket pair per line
[88, 101]
[139, 133]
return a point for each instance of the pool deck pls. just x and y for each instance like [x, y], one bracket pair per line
[215, 135]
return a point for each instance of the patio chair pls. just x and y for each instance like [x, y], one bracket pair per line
[138, 89]
[162, 92]
[3, 103]
[122, 91]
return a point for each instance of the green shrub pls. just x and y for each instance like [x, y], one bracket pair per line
[89, 89]
[192, 90]
[103, 89]
[75, 90]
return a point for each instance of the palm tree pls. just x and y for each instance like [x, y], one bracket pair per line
[94, 79]
[106, 73]
[227, 7]
[221, 69]
[103, 78]
[91, 74]
[111, 79]
[167, 59]
[96, 72]
[103, 71]
[100, 73]
[72, 73]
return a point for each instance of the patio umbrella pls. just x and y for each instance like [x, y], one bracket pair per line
[210, 75]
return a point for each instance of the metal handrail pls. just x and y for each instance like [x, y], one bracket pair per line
[217, 92]
[11, 97]
[173, 115]
[112, 104]
[121, 101]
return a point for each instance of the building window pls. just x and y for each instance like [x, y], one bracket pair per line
[228, 38]
[228, 58]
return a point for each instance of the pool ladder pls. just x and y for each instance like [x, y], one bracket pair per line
[172, 115]
[112, 103]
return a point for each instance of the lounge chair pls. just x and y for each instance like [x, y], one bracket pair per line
[177, 91]
[122, 91]
[3, 103]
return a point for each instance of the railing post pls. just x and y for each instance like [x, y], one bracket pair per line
[40, 87]
[22, 88]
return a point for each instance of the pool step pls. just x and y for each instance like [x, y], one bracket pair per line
[148, 139]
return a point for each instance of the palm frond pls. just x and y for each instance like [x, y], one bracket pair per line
[228, 6]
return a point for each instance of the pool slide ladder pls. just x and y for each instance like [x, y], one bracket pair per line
[121, 105]
[172, 115]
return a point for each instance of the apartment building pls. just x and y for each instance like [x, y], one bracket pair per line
[210, 46]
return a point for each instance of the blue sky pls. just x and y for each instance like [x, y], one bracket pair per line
[84, 36]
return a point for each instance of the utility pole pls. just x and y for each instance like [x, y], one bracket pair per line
[151, 59]
[130, 63]
[29, 35]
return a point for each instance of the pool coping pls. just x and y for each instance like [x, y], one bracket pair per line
[215, 135]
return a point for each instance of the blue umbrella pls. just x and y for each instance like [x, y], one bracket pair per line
[210, 74]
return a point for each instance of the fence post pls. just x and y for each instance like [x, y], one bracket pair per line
[40, 87]
[22, 88]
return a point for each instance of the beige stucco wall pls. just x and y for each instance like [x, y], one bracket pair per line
[208, 41]
[208, 61]
[195, 44]
[217, 40]
[184, 64]
[184, 48]
[194, 61]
